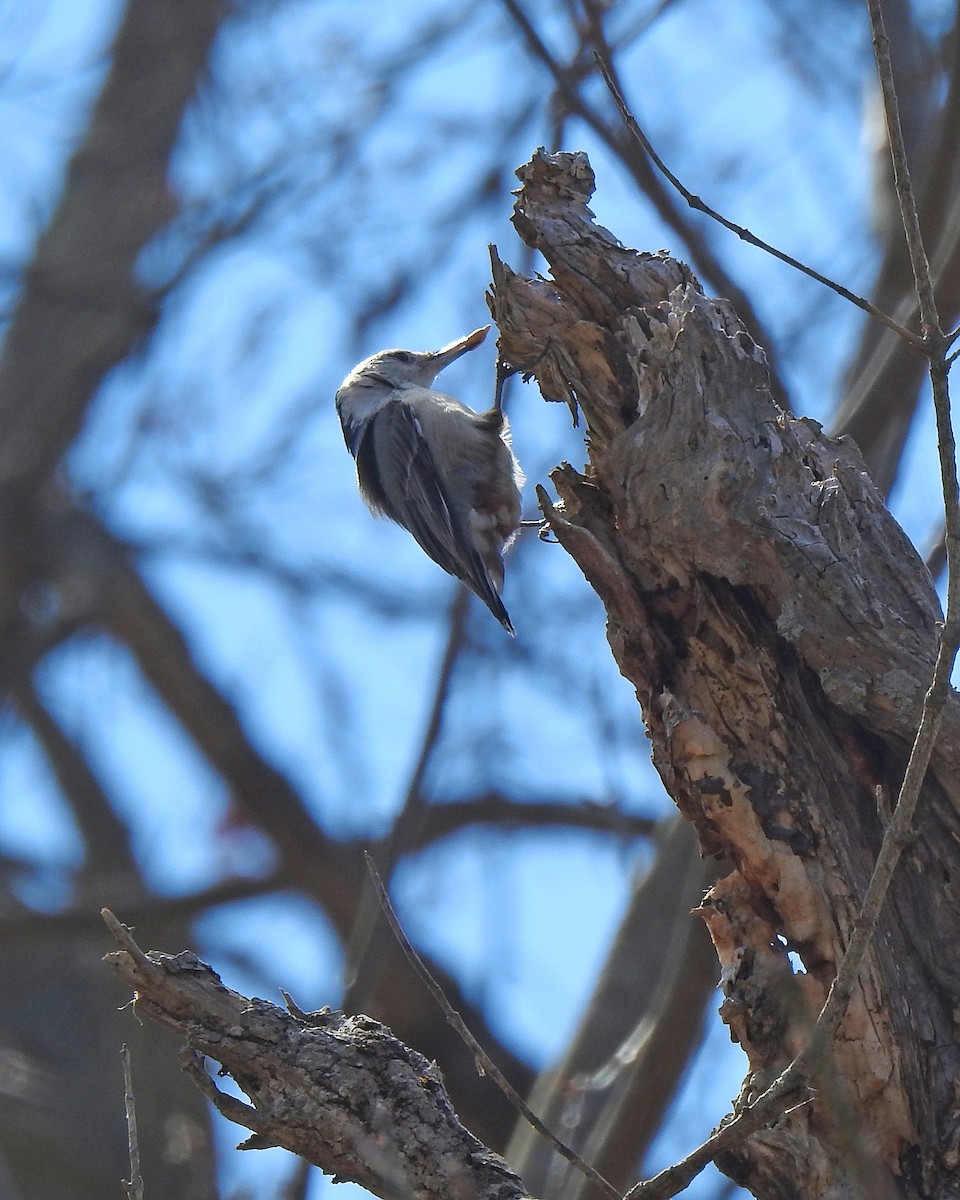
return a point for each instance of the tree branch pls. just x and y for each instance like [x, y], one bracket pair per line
[81, 310]
[341, 1092]
[485, 1064]
[743, 233]
[923, 284]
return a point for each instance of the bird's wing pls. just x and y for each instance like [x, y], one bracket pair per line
[399, 471]
[398, 475]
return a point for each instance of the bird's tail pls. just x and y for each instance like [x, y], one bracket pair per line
[484, 575]
[479, 581]
[495, 604]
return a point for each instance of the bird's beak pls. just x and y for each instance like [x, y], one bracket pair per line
[443, 358]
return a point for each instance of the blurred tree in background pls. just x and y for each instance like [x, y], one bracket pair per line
[224, 680]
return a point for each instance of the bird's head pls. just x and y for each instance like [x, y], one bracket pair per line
[409, 368]
[378, 380]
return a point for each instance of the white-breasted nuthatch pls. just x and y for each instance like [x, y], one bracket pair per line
[445, 473]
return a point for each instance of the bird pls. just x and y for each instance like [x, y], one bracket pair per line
[444, 472]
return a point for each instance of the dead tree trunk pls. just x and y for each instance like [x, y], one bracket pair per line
[780, 632]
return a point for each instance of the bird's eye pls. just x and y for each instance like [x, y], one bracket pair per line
[403, 356]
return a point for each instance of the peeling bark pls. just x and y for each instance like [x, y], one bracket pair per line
[780, 631]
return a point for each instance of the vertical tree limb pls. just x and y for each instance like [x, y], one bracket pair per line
[81, 309]
[781, 633]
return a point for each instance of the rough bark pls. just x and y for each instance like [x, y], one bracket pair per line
[780, 632]
[340, 1091]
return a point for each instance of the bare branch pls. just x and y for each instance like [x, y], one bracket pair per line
[108, 853]
[929, 320]
[485, 1064]
[494, 810]
[139, 904]
[365, 962]
[744, 234]
[134, 1185]
[124, 606]
[885, 378]
[81, 310]
[341, 1092]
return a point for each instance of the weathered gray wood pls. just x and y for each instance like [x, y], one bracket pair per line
[342, 1092]
[780, 631]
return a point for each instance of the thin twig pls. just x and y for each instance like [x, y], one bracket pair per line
[929, 321]
[485, 1064]
[744, 234]
[674, 1179]
[410, 820]
[134, 1185]
[124, 938]
[193, 1065]
[568, 86]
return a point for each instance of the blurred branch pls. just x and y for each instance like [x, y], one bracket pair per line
[444, 818]
[108, 858]
[935, 560]
[610, 1091]
[885, 380]
[88, 562]
[298, 1186]
[365, 957]
[125, 607]
[81, 310]
[413, 811]
[300, 581]
[138, 905]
